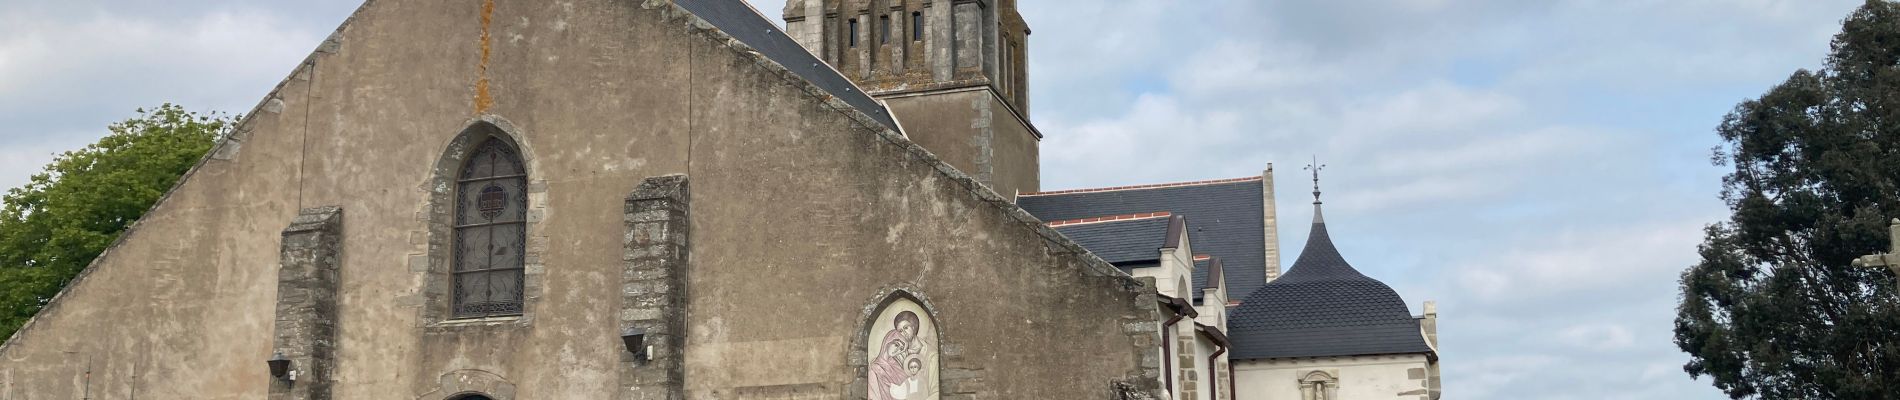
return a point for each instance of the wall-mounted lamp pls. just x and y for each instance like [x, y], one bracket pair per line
[280, 367]
[635, 339]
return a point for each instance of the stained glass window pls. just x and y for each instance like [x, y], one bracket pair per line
[491, 203]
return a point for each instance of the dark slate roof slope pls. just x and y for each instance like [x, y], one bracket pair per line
[736, 18]
[1323, 307]
[1226, 219]
[1121, 242]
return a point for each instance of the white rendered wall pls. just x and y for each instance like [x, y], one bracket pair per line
[1213, 308]
[1203, 385]
[1360, 378]
[1175, 278]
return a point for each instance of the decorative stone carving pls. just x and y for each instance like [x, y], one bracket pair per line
[1319, 385]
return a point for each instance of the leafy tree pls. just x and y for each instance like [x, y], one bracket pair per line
[1774, 310]
[54, 226]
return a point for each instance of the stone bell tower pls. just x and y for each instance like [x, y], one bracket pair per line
[953, 72]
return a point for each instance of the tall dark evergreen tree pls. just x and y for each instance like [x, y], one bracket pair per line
[54, 226]
[1774, 309]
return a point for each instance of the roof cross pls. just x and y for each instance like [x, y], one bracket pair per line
[1889, 259]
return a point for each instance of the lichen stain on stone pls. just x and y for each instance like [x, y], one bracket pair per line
[895, 232]
[628, 164]
[482, 99]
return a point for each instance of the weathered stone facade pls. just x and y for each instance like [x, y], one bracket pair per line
[803, 210]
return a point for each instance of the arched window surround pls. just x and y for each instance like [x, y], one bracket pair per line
[486, 251]
[467, 384]
[856, 354]
[438, 291]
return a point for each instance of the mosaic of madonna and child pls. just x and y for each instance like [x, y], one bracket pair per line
[903, 354]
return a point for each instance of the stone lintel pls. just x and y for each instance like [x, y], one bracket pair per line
[315, 218]
[660, 187]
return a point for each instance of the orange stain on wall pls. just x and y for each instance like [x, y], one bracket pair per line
[482, 99]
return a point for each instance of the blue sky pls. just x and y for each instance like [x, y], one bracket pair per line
[1540, 168]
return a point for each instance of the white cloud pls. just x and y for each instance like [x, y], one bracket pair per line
[19, 161]
[64, 78]
[1560, 261]
[1598, 336]
[223, 59]
[1233, 68]
[1156, 127]
[1431, 112]
[1491, 374]
[1662, 370]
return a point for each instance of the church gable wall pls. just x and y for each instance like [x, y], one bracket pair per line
[180, 306]
[802, 224]
[591, 92]
[803, 217]
[183, 307]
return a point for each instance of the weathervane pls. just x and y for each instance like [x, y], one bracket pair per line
[1315, 167]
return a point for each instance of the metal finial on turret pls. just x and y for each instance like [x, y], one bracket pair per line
[1318, 218]
[1315, 167]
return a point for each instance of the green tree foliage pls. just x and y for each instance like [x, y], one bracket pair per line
[52, 227]
[1774, 309]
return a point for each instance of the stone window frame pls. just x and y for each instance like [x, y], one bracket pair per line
[438, 287]
[852, 33]
[1319, 385]
[855, 355]
[884, 29]
[916, 26]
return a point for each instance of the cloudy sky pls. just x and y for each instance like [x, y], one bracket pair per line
[1540, 168]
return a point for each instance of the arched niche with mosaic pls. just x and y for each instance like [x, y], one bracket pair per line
[902, 356]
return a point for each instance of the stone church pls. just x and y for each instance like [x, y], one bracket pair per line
[673, 199]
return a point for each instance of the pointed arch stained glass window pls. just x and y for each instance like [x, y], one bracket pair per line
[490, 231]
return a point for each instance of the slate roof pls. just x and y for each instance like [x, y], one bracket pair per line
[1121, 242]
[1323, 307]
[1225, 220]
[736, 18]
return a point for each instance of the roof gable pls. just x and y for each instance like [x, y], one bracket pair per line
[1226, 219]
[1122, 241]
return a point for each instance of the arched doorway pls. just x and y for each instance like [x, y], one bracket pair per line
[474, 397]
